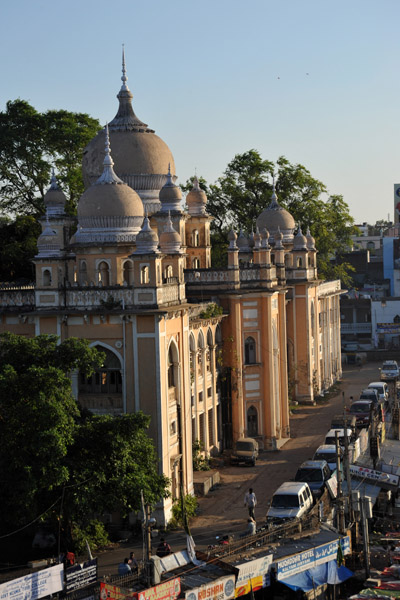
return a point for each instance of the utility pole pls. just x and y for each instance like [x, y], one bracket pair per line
[341, 527]
[147, 538]
[365, 509]
[347, 469]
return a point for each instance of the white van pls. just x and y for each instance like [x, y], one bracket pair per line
[382, 388]
[328, 452]
[292, 500]
[330, 437]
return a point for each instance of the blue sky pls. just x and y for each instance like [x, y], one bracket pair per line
[216, 78]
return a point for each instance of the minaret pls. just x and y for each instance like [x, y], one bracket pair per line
[198, 228]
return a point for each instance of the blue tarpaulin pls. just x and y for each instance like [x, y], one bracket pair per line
[328, 572]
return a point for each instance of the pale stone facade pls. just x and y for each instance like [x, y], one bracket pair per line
[135, 279]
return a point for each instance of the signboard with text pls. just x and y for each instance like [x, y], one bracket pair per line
[114, 592]
[169, 590]
[35, 585]
[220, 589]
[310, 558]
[81, 575]
[253, 575]
[385, 480]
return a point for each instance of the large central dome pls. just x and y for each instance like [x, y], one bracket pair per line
[141, 158]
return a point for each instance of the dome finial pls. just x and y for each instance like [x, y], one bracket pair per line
[274, 197]
[124, 78]
[53, 180]
[108, 175]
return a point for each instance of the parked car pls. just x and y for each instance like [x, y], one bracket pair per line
[362, 410]
[330, 437]
[339, 421]
[291, 500]
[328, 452]
[370, 394]
[382, 388]
[245, 451]
[315, 473]
[389, 370]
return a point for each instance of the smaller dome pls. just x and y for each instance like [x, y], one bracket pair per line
[170, 194]
[146, 239]
[232, 237]
[275, 216]
[54, 199]
[300, 241]
[243, 242]
[170, 240]
[251, 240]
[310, 240]
[196, 199]
[257, 238]
[47, 243]
[265, 238]
[278, 237]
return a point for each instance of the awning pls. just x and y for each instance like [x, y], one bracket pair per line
[312, 578]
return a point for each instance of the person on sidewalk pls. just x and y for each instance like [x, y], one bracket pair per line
[251, 528]
[124, 568]
[250, 501]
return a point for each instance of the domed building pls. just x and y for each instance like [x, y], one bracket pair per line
[207, 352]
[141, 158]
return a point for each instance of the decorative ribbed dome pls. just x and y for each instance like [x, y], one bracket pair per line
[170, 195]
[146, 239]
[275, 216]
[232, 237]
[141, 157]
[109, 211]
[48, 243]
[310, 240]
[257, 239]
[196, 199]
[265, 238]
[54, 199]
[243, 242]
[170, 240]
[300, 241]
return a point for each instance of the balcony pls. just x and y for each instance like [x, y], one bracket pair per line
[356, 328]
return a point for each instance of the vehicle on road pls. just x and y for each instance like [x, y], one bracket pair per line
[330, 437]
[390, 370]
[362, 410]
[315, 473]
[382, 388]
[341, 421]
[328, 452]
[245, 451]
[291, 500]
[370, 394]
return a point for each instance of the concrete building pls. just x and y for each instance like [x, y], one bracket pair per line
[133, 275]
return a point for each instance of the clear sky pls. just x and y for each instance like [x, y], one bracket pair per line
[316, 81]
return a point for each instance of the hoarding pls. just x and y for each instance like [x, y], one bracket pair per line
[81, 575]
[35, 585]
[219, 589]
[310, 558]
[253, 575]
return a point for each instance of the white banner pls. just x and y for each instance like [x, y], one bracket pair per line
[253, 575]
[35, 585]
[220, 589]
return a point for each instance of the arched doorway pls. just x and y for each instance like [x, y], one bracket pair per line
[252, 421]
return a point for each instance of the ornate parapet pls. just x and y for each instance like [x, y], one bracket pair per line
[20, 297]
[329, 288]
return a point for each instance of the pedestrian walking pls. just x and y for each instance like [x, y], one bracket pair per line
[250, 501]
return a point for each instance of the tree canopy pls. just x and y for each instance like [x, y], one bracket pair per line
[238, 197]
[18, 245]
[30, 144]
[55, 461]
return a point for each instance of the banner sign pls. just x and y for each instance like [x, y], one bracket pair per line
[114, 592]
[331, 484]
[310, 558]
[376, 476]
[220, 589]
[388, 327]
[253, 575]
[35, 585]
[169, 590]
[81, 575]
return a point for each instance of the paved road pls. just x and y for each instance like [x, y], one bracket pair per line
[222, 511]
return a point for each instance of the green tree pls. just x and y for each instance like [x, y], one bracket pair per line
[244, 190]
[17, 247]
[30, 143]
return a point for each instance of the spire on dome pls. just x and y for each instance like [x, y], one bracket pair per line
[108, 175]
[274, 197]
[53, 180]
[125, 119]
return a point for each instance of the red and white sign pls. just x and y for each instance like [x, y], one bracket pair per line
[376, 476]
[169, 590]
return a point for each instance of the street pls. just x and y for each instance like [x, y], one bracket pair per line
[222, 510]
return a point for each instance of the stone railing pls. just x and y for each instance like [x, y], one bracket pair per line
[17, 297]
[206, 276]
[97, 297]
[170, 293]
[250, 274]
[329, 287]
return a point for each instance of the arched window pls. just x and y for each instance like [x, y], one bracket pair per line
[128, 272]
[83, 272]
[106, 380]
[46, 277]
[171, 369]
[200, 353]
[299, 261]
[196, 263]
[192, 351]
[287, 260]
[195, 238]
[169, 272]
[104, 273]
[249, 351]
[144, 275]
[272, 259]
[252, 421]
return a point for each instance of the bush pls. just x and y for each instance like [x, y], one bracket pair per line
[200, 463]
[94, 533]
[190, 503]
[212, 310]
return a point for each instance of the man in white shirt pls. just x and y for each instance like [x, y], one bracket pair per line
[250, 501]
